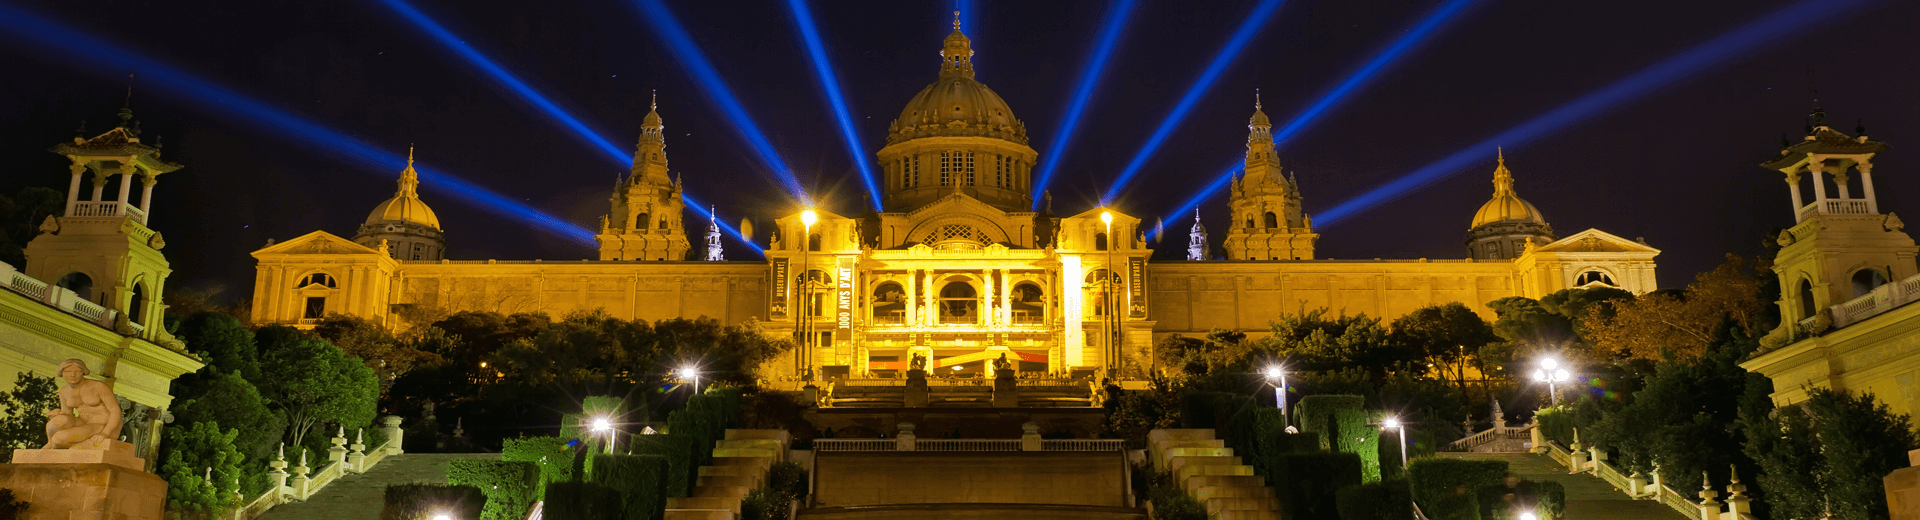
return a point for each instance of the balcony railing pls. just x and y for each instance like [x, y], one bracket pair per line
[107, 208]
[1836, 207]
[57, 297]
[1029, 319]
[1881, 299]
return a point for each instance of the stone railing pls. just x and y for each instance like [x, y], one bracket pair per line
[908, 443]
[56, 297]
[1881, 299]
[105, 208]
[305, 483]
[1083, 445]
[1583, 459]
[1836, 207]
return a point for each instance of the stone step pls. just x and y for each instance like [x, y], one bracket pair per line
[1182, 474]
[770, 453]
[1235, 481]
[750, 443]
[1197, 434]
[747, 482]
[1211, 492]
[1162, 450]
[700, 514]
[733, 492]
[1244, 515]
[1216, 505]
[761, 462]
[729, 504]
[1196, 452]
[779, 435]
[1175, 463]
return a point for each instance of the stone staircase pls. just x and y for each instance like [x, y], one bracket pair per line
[1212, 474]
[740, 464]
[1588, 497]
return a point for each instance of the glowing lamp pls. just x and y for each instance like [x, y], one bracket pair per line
[442, 516]
[1391, 423]
[689, 373]
[1106, 217]
[809, 217]
[600, 424]
[1527, 515]
[1273, 372]
[1549, 363]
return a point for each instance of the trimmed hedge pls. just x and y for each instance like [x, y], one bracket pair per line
[1303, 442]
[553, 455]
[1556, 424]
[1306, 483]
[579, 425]
[1356, 434]
[1386, 500]
[511, 487]
[1315, 413]
[678, 450]
[1447, 489]
[424, 501]
[582, 501]
[641, 481]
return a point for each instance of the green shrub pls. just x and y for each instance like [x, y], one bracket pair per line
[579, 425]
[1315, 413]
[1303, 442]
[789, 478]
[1551, 498]
[1170, 502]
[581, 501]
[1447, 489]
[1355, 433]
[10, 507]
[511, 487]
[1556, 424]
[1386, 500]
[678, 450]
[1306, 483]
[553, 455]
[641, 481]
[424, 501]
[786, 481]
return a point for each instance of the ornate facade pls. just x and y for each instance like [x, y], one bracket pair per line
[956, 268]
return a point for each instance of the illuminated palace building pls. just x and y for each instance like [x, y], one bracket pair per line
[957, 268]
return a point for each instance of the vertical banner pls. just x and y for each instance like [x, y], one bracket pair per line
[780, 293]
[843, 300]
[1074, 337]
[1136, 286]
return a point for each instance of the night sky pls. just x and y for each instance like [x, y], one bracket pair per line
[1677, 166]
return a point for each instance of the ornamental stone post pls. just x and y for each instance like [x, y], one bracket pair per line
[904, 440]
[338, 453]
[300, 479]
[1030, 437]
[1737, 499]
[392, 425]
[357, 458]
[279, 472]
[1709, 508]
[1576, 454]
[1638, 484]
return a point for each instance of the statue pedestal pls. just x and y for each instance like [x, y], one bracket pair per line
[1006, 393]
[917, 392]
[89, 484]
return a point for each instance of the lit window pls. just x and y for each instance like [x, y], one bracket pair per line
[1593, 277]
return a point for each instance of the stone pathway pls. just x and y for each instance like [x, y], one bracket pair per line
[1588, 497]
[359, 496]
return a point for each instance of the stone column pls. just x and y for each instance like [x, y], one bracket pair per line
[146, 194]
[904, 440]
[394, 433]
[126, 187]
[1006, 298]
[99, 184]
[1866, 187]
[1819, 184]
[73, 189]
[912, 299]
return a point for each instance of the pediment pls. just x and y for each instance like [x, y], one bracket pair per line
[317, 243]
[1596, 241]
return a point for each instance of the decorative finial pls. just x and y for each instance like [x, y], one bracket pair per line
[409, 155]
[129, 102]
[1256, 99]
[656, 100]
[1859, 127]
[956, 20]
[1501, 152]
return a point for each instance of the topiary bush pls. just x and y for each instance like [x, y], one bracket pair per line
[582, 501]
[1556, 424]
[1355, 432]
[425, 501]
[1306, 484]
[641, 481]
[678, 450]
[511, 487]
[1386, 500]
[1447, 489]
[1170, 502]
[1315, 413]
[554, 455]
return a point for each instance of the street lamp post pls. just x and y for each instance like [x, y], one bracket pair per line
[807, 218]
[1278, 377]
[692, 374]
[1112, 321]
[601, 426]
[1394, 424]
[1551, 374]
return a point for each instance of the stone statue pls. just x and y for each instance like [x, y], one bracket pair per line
[919, 361]
[88, 416]
[1002, 366]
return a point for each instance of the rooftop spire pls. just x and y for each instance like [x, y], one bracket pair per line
[409, 180]
[1502, 178]
[956, 57]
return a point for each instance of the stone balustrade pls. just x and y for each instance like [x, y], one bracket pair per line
[300, 482]
[56, 297]
[1881, 299]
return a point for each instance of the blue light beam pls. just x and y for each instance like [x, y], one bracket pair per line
[831, 83]
[1720, 51]
[505, 78]
[1353, 82]
[701, 209]
[1238, 42]
[669, 29]
[1109, 33]
[103, 57]
[1219, 183]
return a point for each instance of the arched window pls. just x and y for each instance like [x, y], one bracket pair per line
[136, 308]
[79, 283]
[1029, 303]
[1273, 221]
[959, 303]
[1592, 277]
[642, 220]
[813, 242]
[1866, 280]
[1099, 241]
[319, 279]
[1806, 299]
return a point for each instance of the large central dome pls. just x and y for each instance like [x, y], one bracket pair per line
[956, 104]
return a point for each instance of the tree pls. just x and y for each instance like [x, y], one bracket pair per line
[24, 423]
[222, 342]
[20, 218]
[202, 470]
[1830, 451]
[213, 396]
[388, 355]
[1444, 335]
[313, 383]
[1684, 323]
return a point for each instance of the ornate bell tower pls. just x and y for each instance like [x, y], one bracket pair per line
[102, 249]
[645, 223]
[1265, 206]
[1841, 247]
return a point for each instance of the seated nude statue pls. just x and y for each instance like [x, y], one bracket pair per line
[88, 412]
